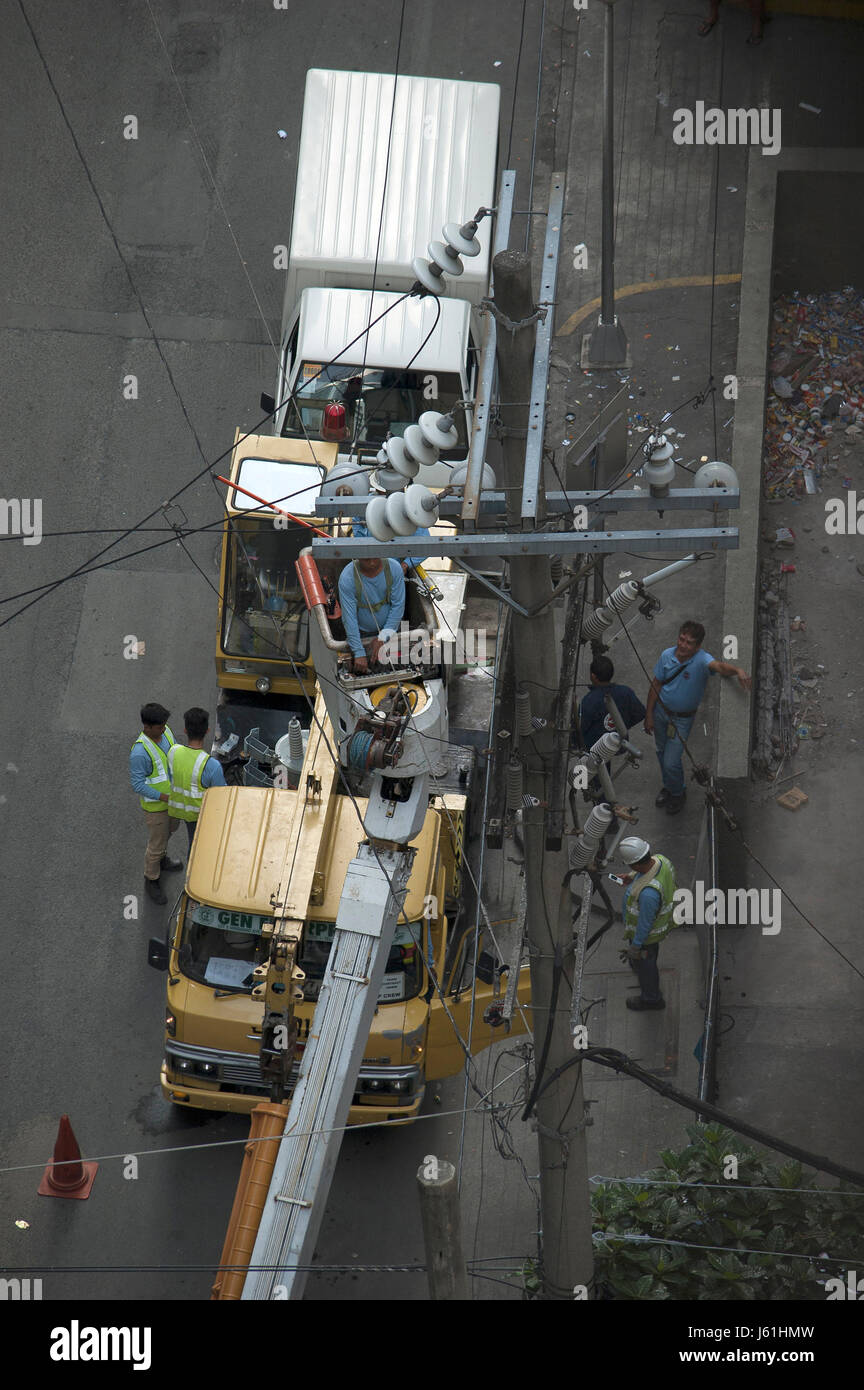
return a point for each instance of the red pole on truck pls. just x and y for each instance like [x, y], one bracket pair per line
[264, 503]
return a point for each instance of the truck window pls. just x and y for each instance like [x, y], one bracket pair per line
[403, 975]
[264, 614]
[220, 947]
[378, 401]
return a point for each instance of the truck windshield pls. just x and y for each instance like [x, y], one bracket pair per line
[402, 977]
[377, 401]
[263, 613]
[220, 947]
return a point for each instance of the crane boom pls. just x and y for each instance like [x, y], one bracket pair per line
[369, 908]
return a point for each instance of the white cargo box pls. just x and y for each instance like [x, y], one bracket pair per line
[352, 202]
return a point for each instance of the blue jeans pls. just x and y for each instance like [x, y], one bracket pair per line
[670, 749]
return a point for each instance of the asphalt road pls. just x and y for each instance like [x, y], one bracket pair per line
[121, 259]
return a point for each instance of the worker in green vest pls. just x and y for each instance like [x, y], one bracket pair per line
[648, 907]
[192, 770]
[148, 773]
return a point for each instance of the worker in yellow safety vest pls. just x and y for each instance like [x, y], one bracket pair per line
[148, 773]
[648, 907]
[192, 770]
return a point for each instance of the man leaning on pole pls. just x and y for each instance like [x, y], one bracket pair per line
[680, 677]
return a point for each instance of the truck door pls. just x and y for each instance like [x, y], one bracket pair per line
[445, 1055]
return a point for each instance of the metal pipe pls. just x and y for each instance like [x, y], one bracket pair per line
[655, 578]
[470, 501]
[626, 500]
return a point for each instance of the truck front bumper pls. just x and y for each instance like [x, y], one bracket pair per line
[196, 1096]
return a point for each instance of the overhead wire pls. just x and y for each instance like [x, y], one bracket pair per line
[619, 1061]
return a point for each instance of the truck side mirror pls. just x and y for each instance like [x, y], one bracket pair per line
[157, 953]
[268, 403]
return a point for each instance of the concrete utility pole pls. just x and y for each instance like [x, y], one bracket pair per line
[438, 1190]
[565, 1203]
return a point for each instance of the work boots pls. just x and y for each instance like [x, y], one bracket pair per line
[170, 865]
[153, 889]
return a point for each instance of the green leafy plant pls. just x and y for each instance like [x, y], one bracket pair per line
[777, 1224]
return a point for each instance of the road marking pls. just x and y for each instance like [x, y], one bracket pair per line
[677, 282]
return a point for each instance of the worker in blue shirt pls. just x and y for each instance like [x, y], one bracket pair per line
[680, 678]
[148, 773]
[594, 721]
[372, 597]
[192, 770]
[649, 904]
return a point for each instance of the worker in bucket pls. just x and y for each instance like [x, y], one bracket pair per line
[372, 597]
[680, 677]
[648, 907]
[148, 773]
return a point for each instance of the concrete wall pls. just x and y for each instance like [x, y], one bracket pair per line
[819, 231]
[795, 237]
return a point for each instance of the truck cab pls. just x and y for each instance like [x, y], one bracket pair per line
[318, 372]
[246, 847]
[263, 622]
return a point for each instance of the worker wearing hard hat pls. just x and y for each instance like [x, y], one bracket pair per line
[648, 908]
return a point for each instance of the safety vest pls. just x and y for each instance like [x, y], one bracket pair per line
[186, 766]
[363, 600]
[159, 777]
[663, 878]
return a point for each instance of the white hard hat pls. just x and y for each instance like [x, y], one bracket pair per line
[633, 850]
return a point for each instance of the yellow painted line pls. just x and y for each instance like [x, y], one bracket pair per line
[675, 283]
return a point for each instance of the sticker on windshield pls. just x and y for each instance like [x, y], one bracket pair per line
[392, 988]
[311, 369]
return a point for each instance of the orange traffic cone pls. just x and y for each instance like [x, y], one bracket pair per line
[66, 1175]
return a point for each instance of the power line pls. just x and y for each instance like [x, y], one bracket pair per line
[85, 567]
[726, 1186]
[607, 1237]
[620, 1062]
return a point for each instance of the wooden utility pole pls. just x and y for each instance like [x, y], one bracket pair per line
[438, 1190]
[559, 1110]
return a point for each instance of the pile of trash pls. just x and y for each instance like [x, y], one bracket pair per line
[817, 387]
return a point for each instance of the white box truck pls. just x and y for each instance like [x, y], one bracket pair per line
[371, 194]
